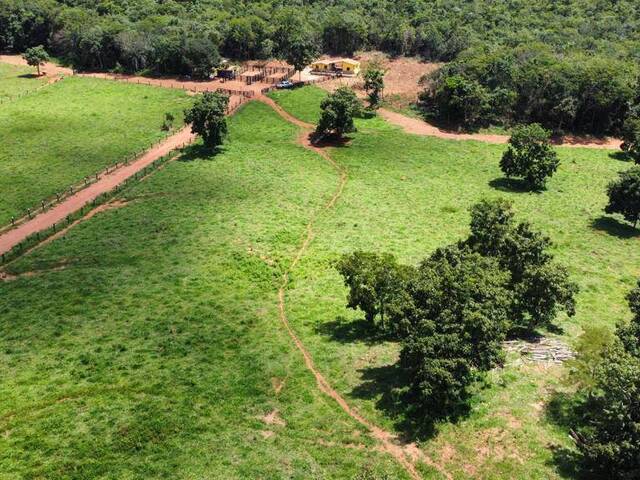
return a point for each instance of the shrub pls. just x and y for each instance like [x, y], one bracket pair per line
[631, 138]
[605, 407]
[374, 85]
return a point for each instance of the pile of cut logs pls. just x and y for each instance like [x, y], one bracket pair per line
[542, 350]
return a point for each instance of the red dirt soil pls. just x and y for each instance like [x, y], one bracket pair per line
[420, 127]
[47, 70]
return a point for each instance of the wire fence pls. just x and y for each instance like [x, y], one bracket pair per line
[237, 98]
[53, 200]
[34, 239]
[26, 93]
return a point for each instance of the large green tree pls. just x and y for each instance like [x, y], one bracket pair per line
[530, 156]
[605, 408]
[454, 318]
[374, 281]
[337, 113]
[374, 85]
[540, 288]
[300, 50]
[624, 195]
[207, 117]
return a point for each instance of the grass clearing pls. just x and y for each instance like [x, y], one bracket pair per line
[302, 103]
[157, 351]
[408, 195]
[56, 136]
[15, 80]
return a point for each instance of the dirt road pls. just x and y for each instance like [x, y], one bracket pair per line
[420, 127]
[48, 69]
[105, 183]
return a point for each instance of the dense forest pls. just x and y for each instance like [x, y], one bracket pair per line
[503, 48]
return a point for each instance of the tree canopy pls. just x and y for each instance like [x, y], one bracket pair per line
[624, 195]
[454, 309]
[337, 113]
[374, 85]
[566, 66]
[605, 408]
[207, 117]
[36, 56]
[530, 156]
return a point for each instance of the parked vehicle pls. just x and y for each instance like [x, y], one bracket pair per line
[284, 84]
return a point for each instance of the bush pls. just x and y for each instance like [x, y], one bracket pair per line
[167, 124]
[530, 156]
[606, 406]
[609, 412]
[631, 138]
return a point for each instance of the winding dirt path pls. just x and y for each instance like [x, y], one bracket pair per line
[105, 183]
[404, 454]
[420, 127]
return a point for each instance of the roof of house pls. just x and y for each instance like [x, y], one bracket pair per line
[336, 60]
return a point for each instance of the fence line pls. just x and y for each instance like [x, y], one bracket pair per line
[58, 197]
[102, 198]
[29, 92]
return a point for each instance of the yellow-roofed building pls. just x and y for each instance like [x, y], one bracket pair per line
[344, 66]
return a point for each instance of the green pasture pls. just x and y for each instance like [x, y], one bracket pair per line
[53, 138]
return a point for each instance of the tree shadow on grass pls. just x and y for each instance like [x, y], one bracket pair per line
[511, 185]
[323, 141]
[614, 227]
[622, 156]
[560, 410]
[199, 152]
[389, 386]
[29, 75]
[347, 331]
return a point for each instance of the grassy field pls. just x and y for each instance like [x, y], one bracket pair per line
[56, 136]
[408, 195]
[146, 344]
[303, 103]
[157, 352]
[16, 80]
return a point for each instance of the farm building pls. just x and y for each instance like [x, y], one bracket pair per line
[344, 66]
